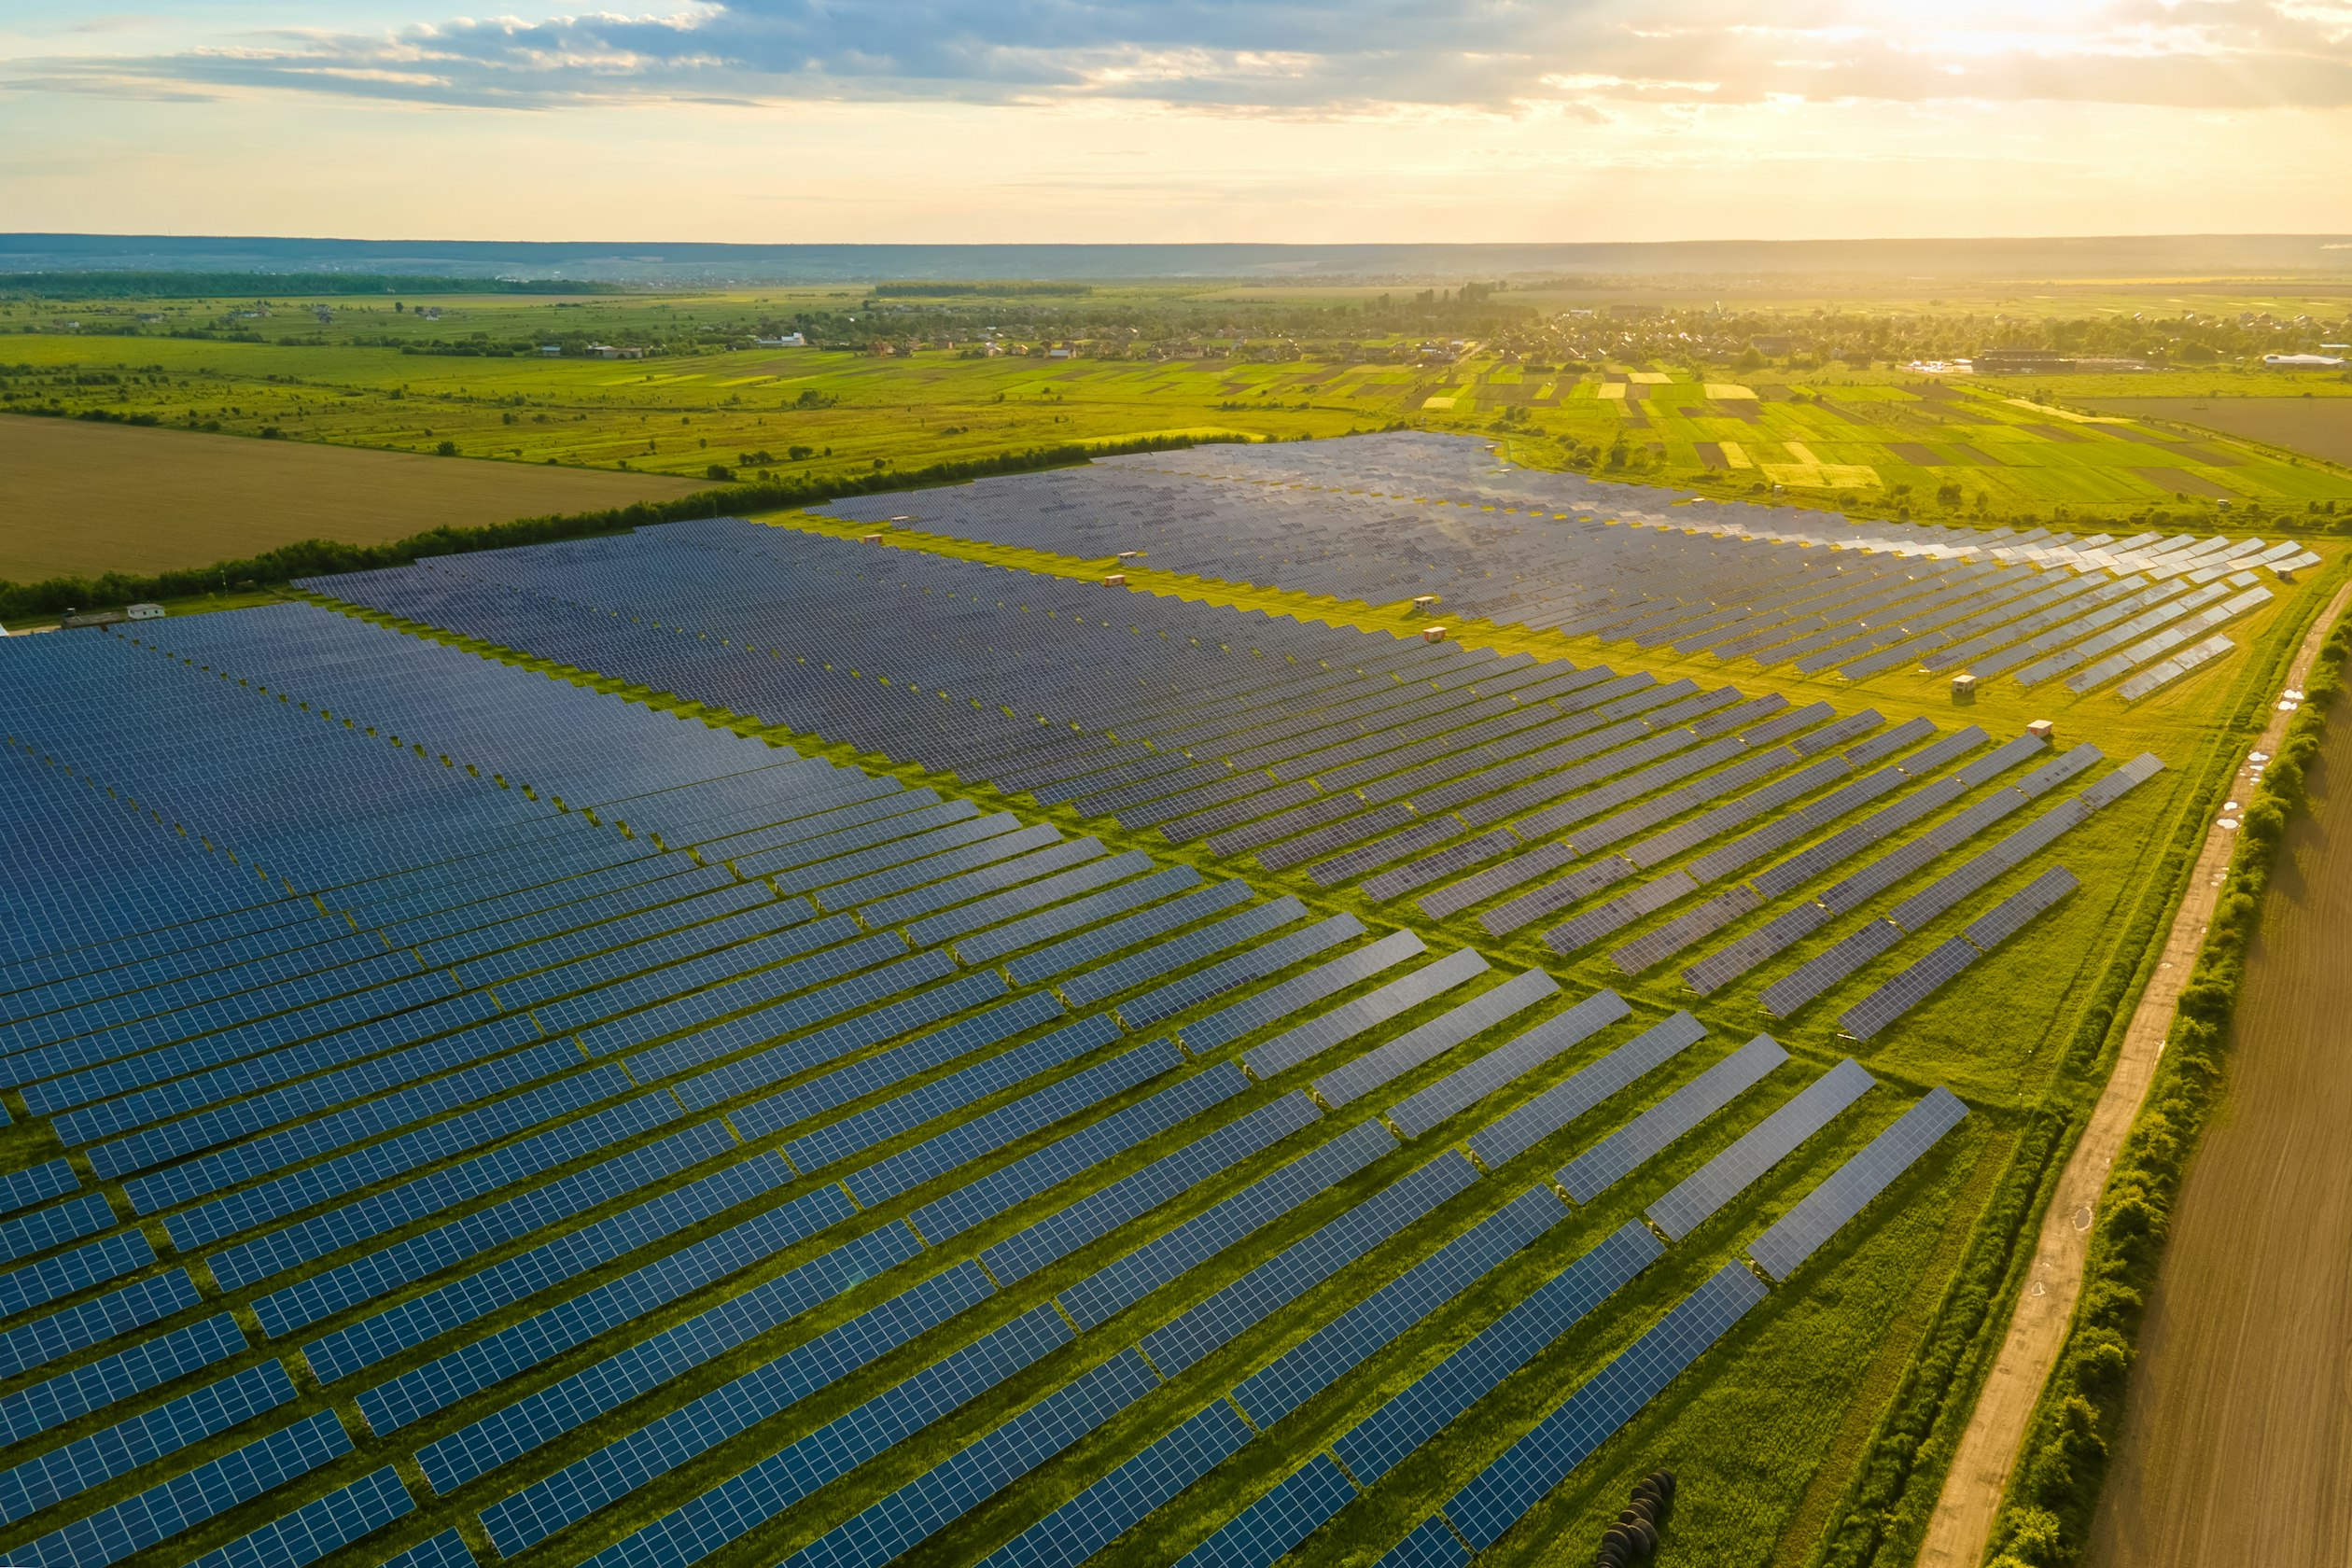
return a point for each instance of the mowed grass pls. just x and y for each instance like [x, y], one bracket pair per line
[82, 499]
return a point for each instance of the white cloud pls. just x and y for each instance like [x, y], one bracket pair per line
[1288, 58]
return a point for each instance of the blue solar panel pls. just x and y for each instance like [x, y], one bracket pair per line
[133, 1370]
[854, 1134]
[1468, 1084]
[1302, 1041]
[1074, 1225]
[1757, 1150]
[1433, 1039]
[727, 1511]
[485, 1291]
[1095, 1517]
[308, 1300]
[102, 1318]
[981, 1134]
[1413, 1298]
[1121, 1284]
[321, 1526]
[1375, 1445]
[1848, 1190]
[996, 941]
[1273, 1003]
[1510, 1136]
[1262, 1534]
[100, 1457]
[982, 1469]
[630, 1462]
[1110, 979]
[36, 1285]
[524, 1424]
[20, 1189]
[1305, 1263]
[1432, 1544]
[1261, 959]
[170, 1506]
[1496, 1499]
[1616, 1156]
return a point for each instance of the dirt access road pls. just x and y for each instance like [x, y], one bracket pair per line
[2237, 1437]
[1962, 1525]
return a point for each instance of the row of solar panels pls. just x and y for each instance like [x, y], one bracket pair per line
[1727, 591]
[462, 1254]
[1360, 839]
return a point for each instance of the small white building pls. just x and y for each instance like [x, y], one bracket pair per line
[789, 340]
[146, 612]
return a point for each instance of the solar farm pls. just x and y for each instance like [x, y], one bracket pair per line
[736, 1044]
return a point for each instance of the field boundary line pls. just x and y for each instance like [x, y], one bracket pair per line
[1961, 1527]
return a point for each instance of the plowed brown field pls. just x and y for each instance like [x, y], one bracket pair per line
[80, 500]
[2237, 1447]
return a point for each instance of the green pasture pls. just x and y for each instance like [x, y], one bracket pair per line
[1879, 442]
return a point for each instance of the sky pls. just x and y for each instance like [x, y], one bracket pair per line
[1169, 120]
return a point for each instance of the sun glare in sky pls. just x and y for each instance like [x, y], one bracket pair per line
[1319, 120]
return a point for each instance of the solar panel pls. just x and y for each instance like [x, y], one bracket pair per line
[2011, 914]
[707, 1522]
[1184, 1340]
[189, 1499]
[1818, 1216]
[1763, 1146]
[1514, 1134]
[1377, 1443]
[1616, 1156]
[1266, 1529]
[1468, 1084]
[1068, 1228]
[1303, 1042]
[1432, 1545]
[1089, 1522]
[1816, 975]
[324, 1525]
[1498, 1496]
[1427, 1042]
[2139, 770]
[1274, 1002]
[1057, 1161]
[1126, 1281]
[1346, 1342]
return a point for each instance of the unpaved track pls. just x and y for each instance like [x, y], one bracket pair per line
[1962, 1525]
[2237, 1439]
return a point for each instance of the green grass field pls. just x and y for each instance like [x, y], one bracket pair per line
[1875, 441]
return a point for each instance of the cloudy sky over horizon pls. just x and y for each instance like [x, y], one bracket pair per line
[1186, 120]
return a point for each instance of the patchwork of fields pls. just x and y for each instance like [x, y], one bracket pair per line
[898, 1057]
[1875, 440]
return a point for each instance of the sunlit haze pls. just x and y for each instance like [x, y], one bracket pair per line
[1310, 120]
